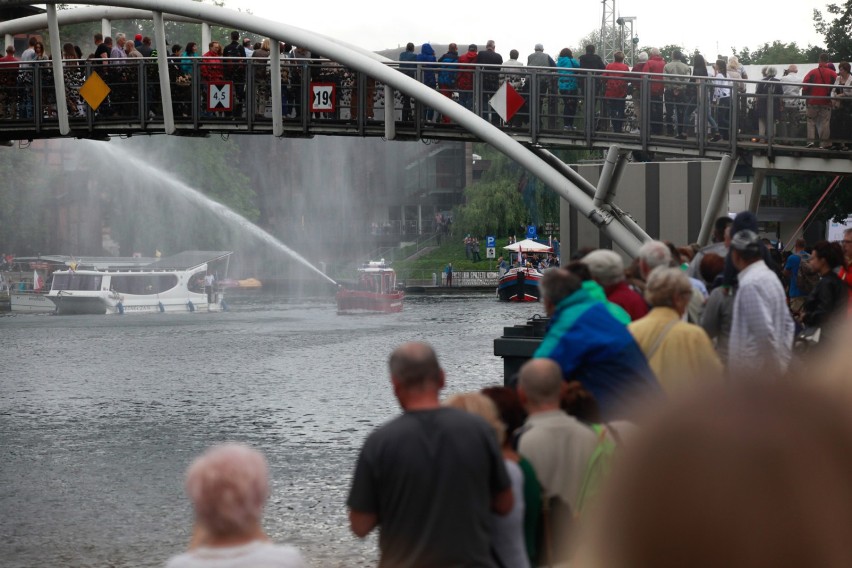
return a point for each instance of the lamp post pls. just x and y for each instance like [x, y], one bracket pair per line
[633, 40]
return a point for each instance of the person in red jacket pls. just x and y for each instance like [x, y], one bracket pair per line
[212, 70]
[846, 271]
[615, 94]
[465, 77]
[819, 101]
[655, 66]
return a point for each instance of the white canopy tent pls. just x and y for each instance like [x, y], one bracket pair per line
[528, 245]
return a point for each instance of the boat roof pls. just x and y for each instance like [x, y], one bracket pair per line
[186, 260]
[375, 266]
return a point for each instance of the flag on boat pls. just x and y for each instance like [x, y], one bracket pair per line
[38, 282]
[506, 101]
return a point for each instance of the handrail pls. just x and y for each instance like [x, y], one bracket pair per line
[647, 105]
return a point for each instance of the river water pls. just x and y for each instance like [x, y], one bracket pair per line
[100, 416]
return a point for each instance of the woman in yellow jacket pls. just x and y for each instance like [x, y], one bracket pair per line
[680, 353]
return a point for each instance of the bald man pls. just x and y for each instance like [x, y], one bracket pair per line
[429, 478]
[556, 444]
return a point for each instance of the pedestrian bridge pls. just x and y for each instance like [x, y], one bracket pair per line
[353, 92]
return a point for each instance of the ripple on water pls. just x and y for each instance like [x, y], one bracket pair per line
[99, 417]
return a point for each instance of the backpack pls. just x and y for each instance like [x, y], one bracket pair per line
[806, 277]
[599, 465]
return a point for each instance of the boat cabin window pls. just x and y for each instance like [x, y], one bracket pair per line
[196, 282]
[90, 282]
[142, 284]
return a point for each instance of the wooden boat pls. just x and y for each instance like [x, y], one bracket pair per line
[374, 292]
[519, 285]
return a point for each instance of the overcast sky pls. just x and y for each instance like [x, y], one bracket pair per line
[382, 24]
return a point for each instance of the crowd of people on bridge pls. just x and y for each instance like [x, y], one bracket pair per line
[678, 92]
[686, 390]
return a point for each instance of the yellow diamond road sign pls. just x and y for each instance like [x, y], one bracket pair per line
[94, 90]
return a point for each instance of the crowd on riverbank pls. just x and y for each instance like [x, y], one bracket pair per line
[669, 410]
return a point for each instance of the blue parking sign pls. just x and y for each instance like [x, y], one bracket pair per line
[490, 242]
[531, 232]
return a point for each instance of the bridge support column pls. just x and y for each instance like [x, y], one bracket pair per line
[205, 37]
[390, 114]
[608, 210]
[756, 190]
[58, 75]
[106, 27]
[275, 77]
[163, 68]
[610, 176]
[717, 197]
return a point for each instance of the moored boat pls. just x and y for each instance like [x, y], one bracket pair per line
[374, 292]
[519, 285]
[118, 286]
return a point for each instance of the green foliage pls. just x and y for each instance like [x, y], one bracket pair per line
[806, 190]
[837, 31]
[777, 52]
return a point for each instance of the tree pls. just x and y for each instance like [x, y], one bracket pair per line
[778, 52]
[837, 31]
[806, 190]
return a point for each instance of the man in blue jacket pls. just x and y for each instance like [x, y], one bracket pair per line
[592, 347]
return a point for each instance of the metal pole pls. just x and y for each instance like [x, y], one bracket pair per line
[106, 27]
[10, 40]
[756, 190]
[717, 197]
[163, 69]
[607, 181]
[390, 114]
[275, 77]
[205, 37]
[58, 75]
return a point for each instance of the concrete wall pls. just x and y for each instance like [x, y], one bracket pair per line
[667, 199]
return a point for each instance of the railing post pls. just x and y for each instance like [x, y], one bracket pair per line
[305, 86]
[390, 113]
[770, 119]
[735, 115]
[275, 80]
[58, 75]
[535, 105]
[163, 71]
[477, 92]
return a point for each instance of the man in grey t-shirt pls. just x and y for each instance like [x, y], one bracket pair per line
[430, 478]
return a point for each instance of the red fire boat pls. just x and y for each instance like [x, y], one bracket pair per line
[374, 292]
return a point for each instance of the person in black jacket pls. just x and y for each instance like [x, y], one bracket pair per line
[827, 301]
[236, 71]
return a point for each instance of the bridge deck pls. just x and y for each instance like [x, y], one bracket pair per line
[574, 119]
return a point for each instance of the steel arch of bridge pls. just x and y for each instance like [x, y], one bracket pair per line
[601, 212]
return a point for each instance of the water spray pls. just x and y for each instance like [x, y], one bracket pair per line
[221, 211]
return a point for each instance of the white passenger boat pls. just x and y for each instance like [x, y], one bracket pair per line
[115, 286]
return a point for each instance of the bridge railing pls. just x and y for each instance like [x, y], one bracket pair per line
[561, 106]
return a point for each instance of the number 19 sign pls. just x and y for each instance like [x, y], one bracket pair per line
[322, 97]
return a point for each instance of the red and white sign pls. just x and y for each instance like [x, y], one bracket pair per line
[38, 281]
[323, 96]
[220, 96]
[506, 102]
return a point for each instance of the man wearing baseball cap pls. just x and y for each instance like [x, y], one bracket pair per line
[762, 329]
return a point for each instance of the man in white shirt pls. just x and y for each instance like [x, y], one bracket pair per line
[762, 329]
[792, 111]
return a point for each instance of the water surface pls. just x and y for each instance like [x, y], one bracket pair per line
[100, 415]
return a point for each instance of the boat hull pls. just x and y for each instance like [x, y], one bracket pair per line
[30, 303]
[510, 289]
[68, 304]
[359, 301]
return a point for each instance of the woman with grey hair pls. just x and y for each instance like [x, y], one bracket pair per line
[767, 94]
[607, 268]
[679, 353]
[228, 486]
